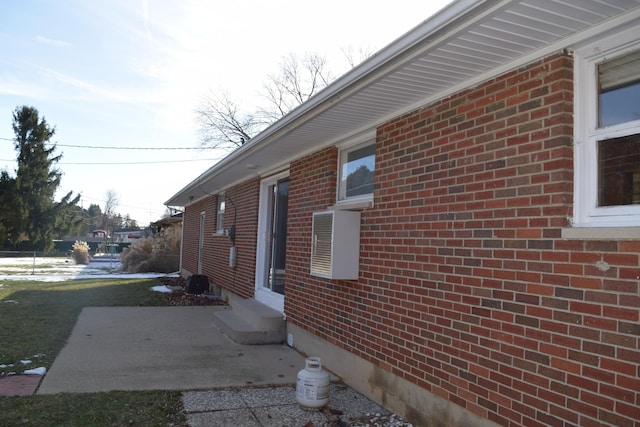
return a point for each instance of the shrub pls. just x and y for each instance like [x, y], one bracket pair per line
[80, 252]
[159, 253]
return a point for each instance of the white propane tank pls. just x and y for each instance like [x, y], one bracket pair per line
[312, 388]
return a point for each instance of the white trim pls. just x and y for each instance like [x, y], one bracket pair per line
[262, 294]
[278, 173]
[359, 204]
[341, 198]
[219, 222]
[587, 134]
[201, 229]
[184, 214]
[270, 299]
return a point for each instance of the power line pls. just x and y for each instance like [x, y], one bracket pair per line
[128, 148]
[106, 147]
[124, 163]
[135, 163]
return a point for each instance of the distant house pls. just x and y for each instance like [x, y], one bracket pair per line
[454, 225]
[172, 221]
[126, 235]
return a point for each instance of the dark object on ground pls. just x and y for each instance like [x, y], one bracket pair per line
[181, 298]
[197, 284]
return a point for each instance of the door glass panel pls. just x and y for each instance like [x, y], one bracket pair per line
[277, 245]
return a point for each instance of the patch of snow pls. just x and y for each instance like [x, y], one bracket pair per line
[37, 371]
[10, 301]
[161, 288]
[49, 269]
[25, 362]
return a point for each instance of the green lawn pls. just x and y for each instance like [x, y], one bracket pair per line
[117, 408]
[35, 320]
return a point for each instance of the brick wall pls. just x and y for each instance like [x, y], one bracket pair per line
[312, 188]
[241, 209]
[466, 287]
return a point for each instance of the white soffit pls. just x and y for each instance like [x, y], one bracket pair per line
[486, 38]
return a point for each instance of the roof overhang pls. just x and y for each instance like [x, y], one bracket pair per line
[467, 42]
[168, 221]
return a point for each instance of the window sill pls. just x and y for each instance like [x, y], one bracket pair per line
[601, 233]
[353, 205]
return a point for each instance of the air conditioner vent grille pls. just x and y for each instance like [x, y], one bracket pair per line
[335, 244]
[322, 230]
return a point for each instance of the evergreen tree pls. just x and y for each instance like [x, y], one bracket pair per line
[8, 215]
[38, 216]
[94, 217]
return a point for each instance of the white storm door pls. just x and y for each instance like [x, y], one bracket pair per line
[272, 241]
[201, 242]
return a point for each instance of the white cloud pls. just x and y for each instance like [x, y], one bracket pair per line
[52, 42]
[12, 86]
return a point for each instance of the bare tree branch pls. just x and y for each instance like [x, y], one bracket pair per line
[222, 125]
[356, 57]
[111, 200]
[296, 81]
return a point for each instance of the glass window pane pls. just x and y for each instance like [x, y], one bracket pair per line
[220, 214]
[619, 90]
[619, 171]
[357, 171]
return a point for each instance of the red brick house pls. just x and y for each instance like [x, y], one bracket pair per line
[454, 225]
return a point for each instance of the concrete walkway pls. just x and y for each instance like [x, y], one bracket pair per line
[179, 348]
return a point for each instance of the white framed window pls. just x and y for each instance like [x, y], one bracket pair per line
[607, 132]
[356, 172]
[220, 214]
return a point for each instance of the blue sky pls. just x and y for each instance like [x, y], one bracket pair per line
[130, 73]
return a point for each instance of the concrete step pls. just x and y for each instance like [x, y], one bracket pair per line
[248, 321]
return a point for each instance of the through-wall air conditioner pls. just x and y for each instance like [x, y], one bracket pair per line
[335, 244]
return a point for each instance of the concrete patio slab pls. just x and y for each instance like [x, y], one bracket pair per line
[179, 348]
[162, 348]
